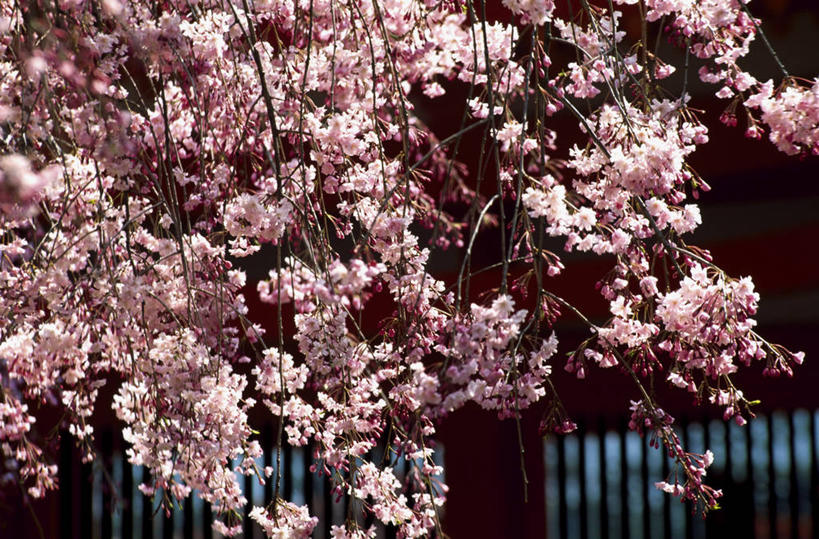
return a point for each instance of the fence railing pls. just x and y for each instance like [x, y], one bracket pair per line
[599, 484]
[600, 481]
[101, 499]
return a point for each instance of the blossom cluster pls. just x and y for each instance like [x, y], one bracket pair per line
[646, 419]
[153, 153]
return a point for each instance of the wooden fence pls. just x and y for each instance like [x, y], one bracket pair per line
[599, 484]
[101, 499]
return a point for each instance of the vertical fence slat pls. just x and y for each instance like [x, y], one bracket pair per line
[562, 511]
[645, 484]
[772, 532]
[247, 523]
[308, 477]
[624, 508]
[706, 443]
[167, 523]
[127, 498]
[66, 485]
[187, 525]
[729, 450]
[793, 492]
[666, 499]
[689, 513]
[86, 499]
[729, 465]
[147, 509]
[287, 469]
[107, 447]
[581, 472]
[604, 481]
[749, 473]
[814, 476]
[327, 496]
[207, 517]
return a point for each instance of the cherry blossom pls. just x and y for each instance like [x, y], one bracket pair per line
[155, 155]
